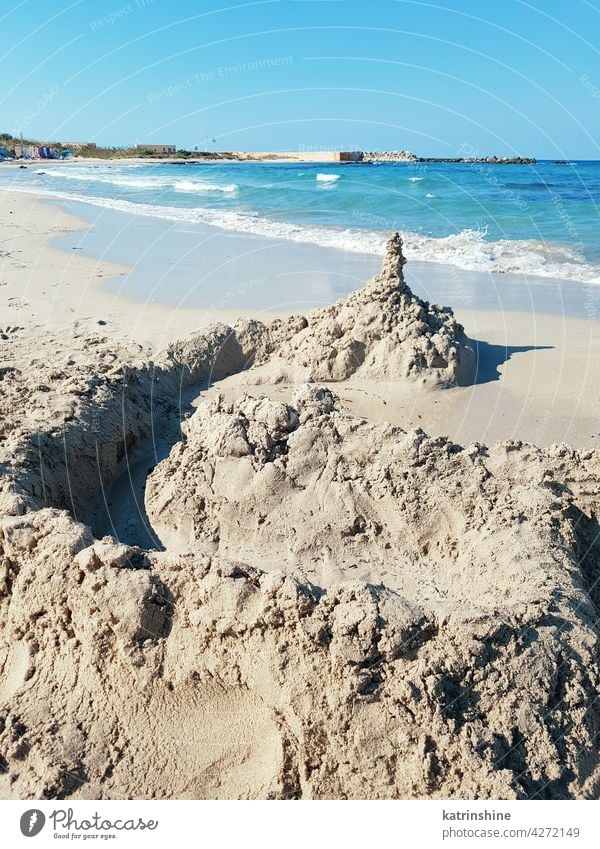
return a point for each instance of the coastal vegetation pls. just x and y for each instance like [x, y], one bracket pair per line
[94, 151]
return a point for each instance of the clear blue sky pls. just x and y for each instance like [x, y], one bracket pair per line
[504, 77]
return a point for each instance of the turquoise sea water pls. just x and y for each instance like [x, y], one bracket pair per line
[542, 219]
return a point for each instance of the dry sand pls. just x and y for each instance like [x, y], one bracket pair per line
[41, 287]
[328, 604]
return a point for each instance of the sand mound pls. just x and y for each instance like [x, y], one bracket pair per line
[312, 488]
[383, 332]
[343, 609]
[380, 332]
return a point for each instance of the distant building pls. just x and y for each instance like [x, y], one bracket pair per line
[79, 145]
[48, 150]
[304, 155]
[157, 148]
[27, 151]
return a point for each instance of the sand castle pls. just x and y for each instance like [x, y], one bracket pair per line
[381, 332]
[340, 609]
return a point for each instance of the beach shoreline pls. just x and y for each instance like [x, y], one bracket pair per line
[526, 390]
[317, 157]
[44, 287]
[352, 211]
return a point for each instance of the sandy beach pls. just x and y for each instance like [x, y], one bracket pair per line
[46, 288]
[253, 553]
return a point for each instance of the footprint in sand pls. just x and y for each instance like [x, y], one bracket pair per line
[14, 665]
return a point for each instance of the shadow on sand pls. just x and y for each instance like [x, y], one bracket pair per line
[490, 357]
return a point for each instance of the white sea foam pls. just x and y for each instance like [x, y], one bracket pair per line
[328, 178]
[129, 182]
[196, 186]
[100, 176]
[415, 179]
[87, 175]
[468, 250]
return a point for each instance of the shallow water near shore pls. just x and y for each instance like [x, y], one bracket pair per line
[531, 219]
[196, 265]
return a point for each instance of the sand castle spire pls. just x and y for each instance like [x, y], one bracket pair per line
[393, 262]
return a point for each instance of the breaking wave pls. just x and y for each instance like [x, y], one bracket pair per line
[468, 249]
[195, 186]
[92, 176]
